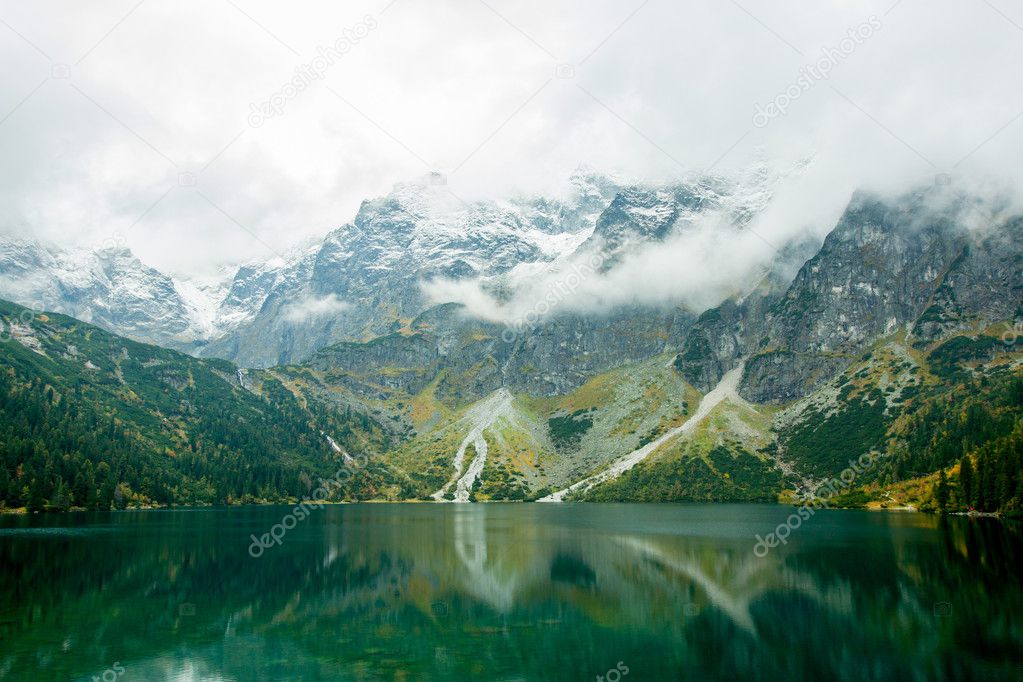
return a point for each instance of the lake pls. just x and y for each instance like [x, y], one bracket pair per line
[509, 592]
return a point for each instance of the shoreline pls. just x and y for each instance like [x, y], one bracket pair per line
[22, 511]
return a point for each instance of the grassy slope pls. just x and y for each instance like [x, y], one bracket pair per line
[883, 402]
[558, 440]
[552, 441]
[923, 408]
[159, 396]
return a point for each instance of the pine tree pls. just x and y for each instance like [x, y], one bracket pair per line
[941, 491]
[989, 482]
[36, 497]
[62, 496]
[980, 483]
[92, 495]
[106, 494]
[1004, 479]
[966, 481]
[5, 486]
[79, 490]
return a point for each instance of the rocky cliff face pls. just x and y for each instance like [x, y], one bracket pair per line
[876, 270]
[931, 263]
[467, 360]
[112, 289]
[361, 281]
[922, 263]
[982, 285]
[370, 272]
[712, 346]
[365, 278]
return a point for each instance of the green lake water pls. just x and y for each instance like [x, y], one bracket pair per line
[509, 592]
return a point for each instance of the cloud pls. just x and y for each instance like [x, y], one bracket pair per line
[312, 307]
[696, 267]
[107, 143]
[704, 261]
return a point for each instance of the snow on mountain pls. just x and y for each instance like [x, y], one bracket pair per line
[111, 288]
[202, 300]
[115, 290]
[377, 263]
[365, 278]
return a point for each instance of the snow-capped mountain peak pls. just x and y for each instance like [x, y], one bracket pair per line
[364, 278]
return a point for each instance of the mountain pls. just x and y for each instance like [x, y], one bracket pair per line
[886, 321]
[362, 280]
[897, 340]
[911, 264]
[111, 288]
[365, 278]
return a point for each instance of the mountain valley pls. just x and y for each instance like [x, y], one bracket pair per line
[903, 323]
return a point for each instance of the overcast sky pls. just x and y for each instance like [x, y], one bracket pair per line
[139, 118]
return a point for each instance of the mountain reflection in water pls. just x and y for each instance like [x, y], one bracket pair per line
[509, 592]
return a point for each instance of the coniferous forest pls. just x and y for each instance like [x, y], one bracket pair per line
[94, 421]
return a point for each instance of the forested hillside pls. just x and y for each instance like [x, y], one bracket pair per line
[93, 420]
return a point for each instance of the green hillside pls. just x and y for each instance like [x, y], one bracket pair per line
[89, 419]
[92, 420]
